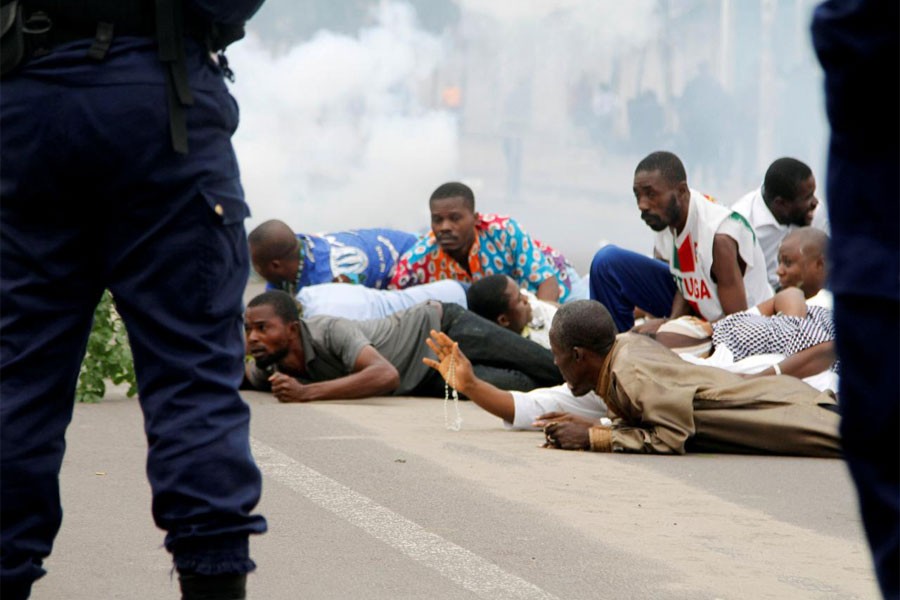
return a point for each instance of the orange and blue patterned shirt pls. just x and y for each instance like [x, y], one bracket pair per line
[501, 247]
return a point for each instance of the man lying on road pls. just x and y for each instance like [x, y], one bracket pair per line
[658, 402]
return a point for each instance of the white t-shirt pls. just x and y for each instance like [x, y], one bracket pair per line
[769, 232]
[690, 256]
[531, 405]
[542, 312]
[362, 303]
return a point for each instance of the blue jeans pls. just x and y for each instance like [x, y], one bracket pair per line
[622, 280]
[94, 198]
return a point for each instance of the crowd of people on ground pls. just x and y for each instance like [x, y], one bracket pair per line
[119, 174]
[690, 349]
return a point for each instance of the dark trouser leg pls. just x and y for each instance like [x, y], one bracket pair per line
[486, 343]
[622, 280]
[90, 201]
[48, 292]
[179, 269]
[869, 350]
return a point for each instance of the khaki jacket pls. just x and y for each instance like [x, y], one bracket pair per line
[662, 404]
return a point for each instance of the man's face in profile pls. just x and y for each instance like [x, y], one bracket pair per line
[573, 367]
[657, 200]
[278, 272]
[799, 211]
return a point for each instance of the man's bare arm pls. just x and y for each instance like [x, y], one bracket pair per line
[727, 271]
[806, 363]
[372, 375]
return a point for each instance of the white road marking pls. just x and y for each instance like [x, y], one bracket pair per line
[454, 562]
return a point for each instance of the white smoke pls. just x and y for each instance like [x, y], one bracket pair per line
[333, 133]
[555, 103]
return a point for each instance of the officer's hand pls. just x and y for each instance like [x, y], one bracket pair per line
[286, 388]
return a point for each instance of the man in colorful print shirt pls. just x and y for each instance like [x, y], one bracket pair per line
[466, 246]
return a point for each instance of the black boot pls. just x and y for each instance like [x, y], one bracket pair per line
[228, 586]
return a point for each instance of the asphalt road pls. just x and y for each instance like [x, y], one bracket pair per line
[376, 499]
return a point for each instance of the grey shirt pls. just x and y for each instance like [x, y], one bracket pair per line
[331, 345]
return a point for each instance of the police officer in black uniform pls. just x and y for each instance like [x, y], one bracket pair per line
[117, 171]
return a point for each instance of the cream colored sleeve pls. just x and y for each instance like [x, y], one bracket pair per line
[656, 410]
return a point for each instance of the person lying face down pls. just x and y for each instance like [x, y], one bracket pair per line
[325, 358]
[290, 262]
[662, 404]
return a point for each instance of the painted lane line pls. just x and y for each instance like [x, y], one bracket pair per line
[454, 562]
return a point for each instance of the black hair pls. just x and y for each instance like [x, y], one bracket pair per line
[455, 189]
[783, 178]
[272, 240]
[586, 324]
[669, 165]
[282, 302]
[487, 297]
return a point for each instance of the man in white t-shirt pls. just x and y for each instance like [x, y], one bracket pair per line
[498, 298]
[787, 200]
[713, 265]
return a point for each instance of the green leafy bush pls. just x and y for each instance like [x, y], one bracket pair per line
[108, 356]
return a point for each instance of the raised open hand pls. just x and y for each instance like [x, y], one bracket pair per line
[452, 364]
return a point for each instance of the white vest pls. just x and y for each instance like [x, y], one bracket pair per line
[690, 256]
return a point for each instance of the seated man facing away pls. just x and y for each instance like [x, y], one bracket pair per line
[710, 263]
[786, 200]
[360, 303]
[466, 245]
[662, 404]
[290, 262]
[325, 358]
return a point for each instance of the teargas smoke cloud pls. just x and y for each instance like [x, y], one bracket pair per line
[542, 107]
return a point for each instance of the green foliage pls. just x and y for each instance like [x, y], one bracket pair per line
[108, 356]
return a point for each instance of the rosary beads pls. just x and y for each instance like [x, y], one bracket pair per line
[448, 385]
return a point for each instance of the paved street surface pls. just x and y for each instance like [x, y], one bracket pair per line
[376, 499]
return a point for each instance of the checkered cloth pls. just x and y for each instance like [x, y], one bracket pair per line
[747, 334]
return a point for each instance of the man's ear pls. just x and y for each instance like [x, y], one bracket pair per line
[294, 327]
[578, 351]
[503, 321]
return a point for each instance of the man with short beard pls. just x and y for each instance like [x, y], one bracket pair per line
[715, 264]
[328, 358]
